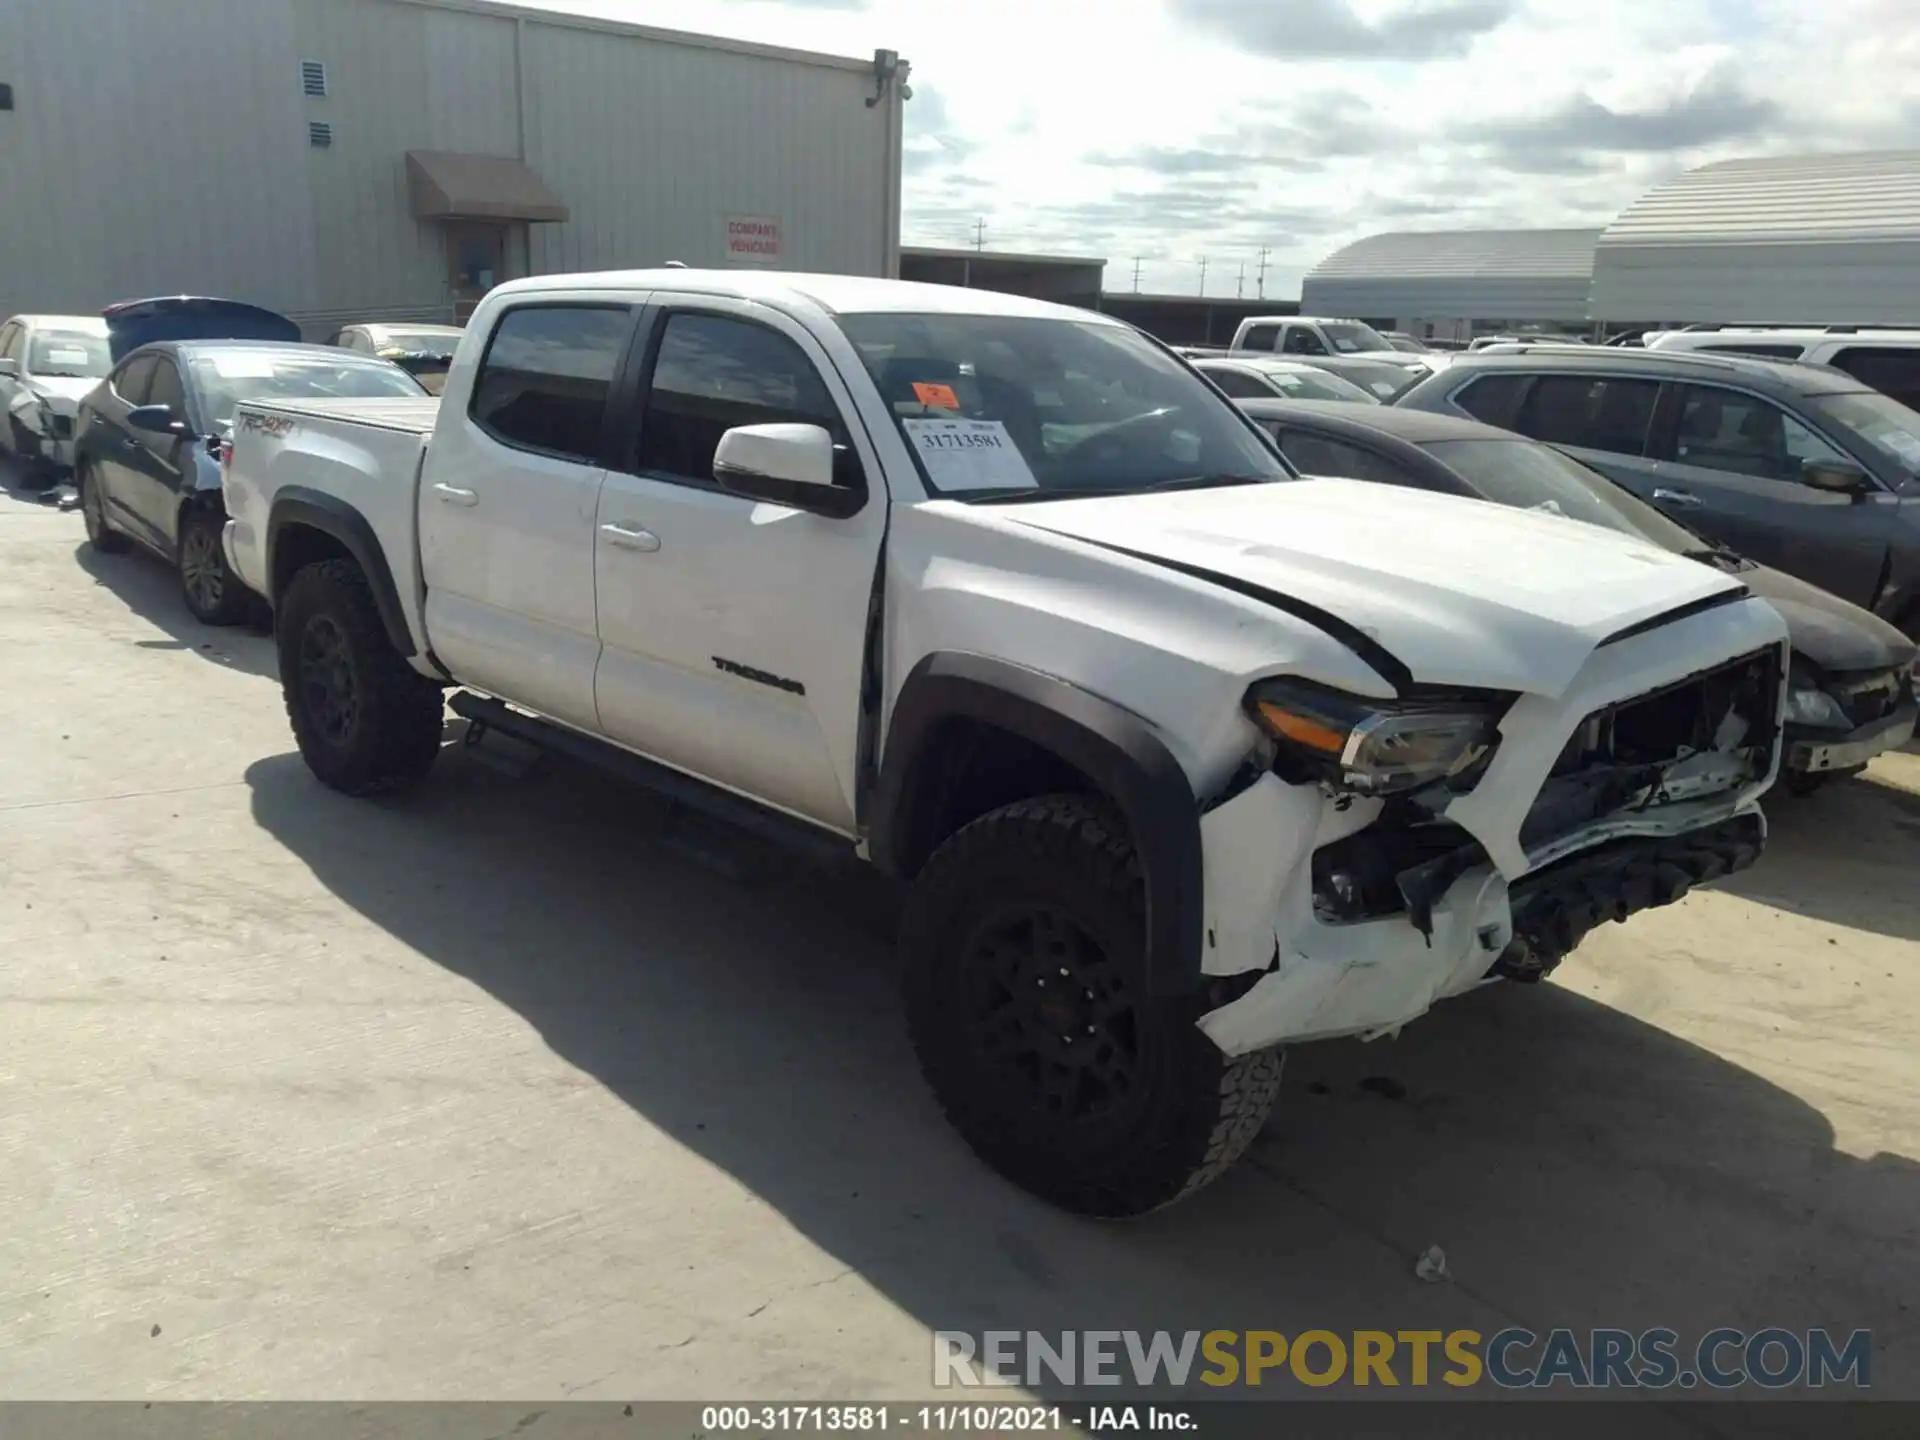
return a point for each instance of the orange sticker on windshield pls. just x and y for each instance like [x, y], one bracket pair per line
[936, 397]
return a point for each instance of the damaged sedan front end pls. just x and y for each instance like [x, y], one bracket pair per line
[1459, 836]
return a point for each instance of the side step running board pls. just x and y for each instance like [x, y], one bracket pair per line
[821, 846]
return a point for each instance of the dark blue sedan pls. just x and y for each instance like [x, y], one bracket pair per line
[148, 439]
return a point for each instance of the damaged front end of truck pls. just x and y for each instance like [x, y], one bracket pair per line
[1430, 844]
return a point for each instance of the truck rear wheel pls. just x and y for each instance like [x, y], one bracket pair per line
[365, 720]
[1027, 1002]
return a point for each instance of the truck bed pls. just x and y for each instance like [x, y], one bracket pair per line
[412, 414]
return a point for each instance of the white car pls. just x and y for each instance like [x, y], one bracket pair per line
[1305, 336]
[1257, 377]
[423, 351]
[48, 365]
[1176, 757]
[1888, 360]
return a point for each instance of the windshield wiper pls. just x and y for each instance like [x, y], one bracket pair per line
[1723, 557]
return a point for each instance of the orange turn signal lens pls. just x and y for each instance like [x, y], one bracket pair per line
[1301, 730]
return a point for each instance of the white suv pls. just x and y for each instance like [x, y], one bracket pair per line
[1888, 360]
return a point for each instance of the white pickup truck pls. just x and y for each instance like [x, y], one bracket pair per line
[1179, 757]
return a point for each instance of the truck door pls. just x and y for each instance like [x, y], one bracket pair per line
[507, 504]
[734, 631]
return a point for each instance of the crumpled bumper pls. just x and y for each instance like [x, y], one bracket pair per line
[1815, 753]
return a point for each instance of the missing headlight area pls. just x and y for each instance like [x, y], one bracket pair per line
[1706, 735]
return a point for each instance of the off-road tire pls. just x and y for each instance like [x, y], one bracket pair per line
[1191, 1111]
[395, 730]
[100, 535]
[223, 601]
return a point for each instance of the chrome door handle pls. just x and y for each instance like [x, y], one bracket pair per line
[1686, 499]
[452, 495]
[628, 538]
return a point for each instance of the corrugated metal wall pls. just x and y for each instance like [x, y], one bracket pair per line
[1814, 239]
[653, 146]
[169, 150]
[1503, 275]
[152, 148]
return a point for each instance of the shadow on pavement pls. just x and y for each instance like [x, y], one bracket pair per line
[1579, 1167]
[1846, 854]
[151, 589]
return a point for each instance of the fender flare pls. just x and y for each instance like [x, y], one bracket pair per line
[299, 505]
[1111, 746]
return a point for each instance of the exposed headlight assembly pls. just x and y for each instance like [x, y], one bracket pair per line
[1809, 705]
[1375, 747]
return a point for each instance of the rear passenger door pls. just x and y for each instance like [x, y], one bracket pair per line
[734, 631]
[1604, 421]
[507, 505]
[111, 445]
[1732, 470]
[154, 461]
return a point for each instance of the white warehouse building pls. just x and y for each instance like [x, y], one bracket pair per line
[342, 160]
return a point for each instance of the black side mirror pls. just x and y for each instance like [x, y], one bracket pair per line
[1836, 477]
[158, 420]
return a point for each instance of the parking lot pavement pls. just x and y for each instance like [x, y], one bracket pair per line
[503, 1091]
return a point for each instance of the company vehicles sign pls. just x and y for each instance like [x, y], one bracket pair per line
[753, 240]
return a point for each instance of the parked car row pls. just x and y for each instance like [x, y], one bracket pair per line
[136, 406]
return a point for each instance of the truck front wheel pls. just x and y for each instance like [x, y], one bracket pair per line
[1027, 1002]
[365, 720]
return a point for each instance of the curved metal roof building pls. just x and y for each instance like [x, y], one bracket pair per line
[1481, 274]
[1813, 239]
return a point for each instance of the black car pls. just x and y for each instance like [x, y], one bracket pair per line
[148, 438]
[1850, 695]
[1798, 466]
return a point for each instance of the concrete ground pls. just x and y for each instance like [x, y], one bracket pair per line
[503, 1091]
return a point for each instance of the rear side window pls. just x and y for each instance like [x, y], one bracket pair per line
[544, 382]
[1766, 352]
[132, 381]
[167, 390]
[1894, 372]
[1591, 412]
[1491, 398]
[1260, 337]
[1237, 384]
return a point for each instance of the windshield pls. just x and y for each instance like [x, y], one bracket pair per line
[999, 406]
[1886, 425]
[1349, 336]
[1408, 344]
[56, 353]
[1305, 384]
[1529, 476]
[224, 380]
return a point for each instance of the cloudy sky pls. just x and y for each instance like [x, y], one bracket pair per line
[1171, 130]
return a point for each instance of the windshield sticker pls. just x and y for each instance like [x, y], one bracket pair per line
[66, 357]
[1906, 446]
[244, 367]
[970, 455]
[1383, 387]
[936, 397]
[1286, 382]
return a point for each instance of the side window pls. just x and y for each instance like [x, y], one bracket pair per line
[1894, 372]
[1743, 434]
[1591, 412]
[544, 381]
[1239, 385]
[166, 389]
[1491, 398]
[10, 346]
[1260, 337]
[1317, 455]
[714, 372]
[1764, 351]
[130, 384]
[1302, 341]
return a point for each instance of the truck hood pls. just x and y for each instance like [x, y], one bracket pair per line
[1834, 634]
[1460, 592]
